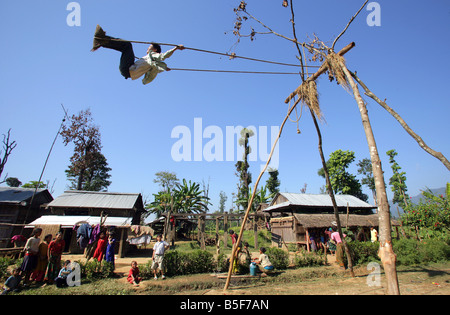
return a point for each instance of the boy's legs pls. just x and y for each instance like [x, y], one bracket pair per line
[127, 57]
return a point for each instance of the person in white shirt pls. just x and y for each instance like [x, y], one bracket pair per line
[149, 65]
[373, 234]
[159, 249]
[31, 255]
[265, 266]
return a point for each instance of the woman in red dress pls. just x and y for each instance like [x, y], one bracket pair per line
[101, 247]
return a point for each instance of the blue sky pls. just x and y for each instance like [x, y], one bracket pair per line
[45, 62]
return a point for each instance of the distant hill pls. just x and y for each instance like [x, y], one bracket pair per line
[414, 200]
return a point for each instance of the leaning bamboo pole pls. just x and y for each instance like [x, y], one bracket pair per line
[247, 212]
[313, 77]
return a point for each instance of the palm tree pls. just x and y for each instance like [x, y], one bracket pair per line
[189, 198]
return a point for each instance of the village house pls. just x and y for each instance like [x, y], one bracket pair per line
[116, 211]
[298, 218]
[19, 206]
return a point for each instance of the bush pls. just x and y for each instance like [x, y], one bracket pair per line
[4, 264]
[93, 270]
[364, 252]
[412, 252]
[311, 259]
[278, 257]
[197, 261]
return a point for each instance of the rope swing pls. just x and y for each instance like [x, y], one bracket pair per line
[231, 56]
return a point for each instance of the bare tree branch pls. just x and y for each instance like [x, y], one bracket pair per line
[296, 42]
[348, 24]
[422, 144]
[7, 147]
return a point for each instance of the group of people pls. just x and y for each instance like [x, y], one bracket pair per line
[159, 249]
[41, 263]
[331, 239]
[243, 256]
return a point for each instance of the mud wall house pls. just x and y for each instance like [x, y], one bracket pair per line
[18, 206]
[74, 208]
[297, 217]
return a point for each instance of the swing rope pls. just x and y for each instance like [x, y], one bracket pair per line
[234, 71]
[231, 56]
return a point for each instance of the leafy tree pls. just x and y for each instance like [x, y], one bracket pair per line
[223, 199]
[88, 167]
[431, 215]
[245, 177]
[365, 168]
[186, 197]
[261, 196]
[95, 176]
[342, 181]
[190, 198]
[273, 183]
[13, 182]
[34, 184]
[167, 180]
[162, 203]
[398, 181]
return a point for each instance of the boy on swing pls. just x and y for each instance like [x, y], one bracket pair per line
[149, 65]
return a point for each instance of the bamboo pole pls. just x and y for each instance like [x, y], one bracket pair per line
[247, 212]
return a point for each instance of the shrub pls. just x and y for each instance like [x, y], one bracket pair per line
[364, 252]
[311, 259]
[278, 257]
[197, 261]
[412, 252]
[93, 270]
[4, 264]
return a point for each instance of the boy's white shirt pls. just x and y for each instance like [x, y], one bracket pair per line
[158, 249]
[150, 65]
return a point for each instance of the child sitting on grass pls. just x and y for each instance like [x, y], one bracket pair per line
[13, 282]
[133, 275]
[61, 281]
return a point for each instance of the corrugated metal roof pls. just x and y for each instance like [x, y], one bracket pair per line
[68, 221]
[16, 194]
[88, 199]
[319, 200]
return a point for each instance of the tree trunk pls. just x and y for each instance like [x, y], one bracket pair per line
[333, 200]
[386, 253]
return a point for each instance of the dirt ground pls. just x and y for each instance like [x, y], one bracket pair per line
[328, 280]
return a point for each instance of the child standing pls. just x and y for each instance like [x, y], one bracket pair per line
[109, 256]
[101, 247]
[158, 256]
